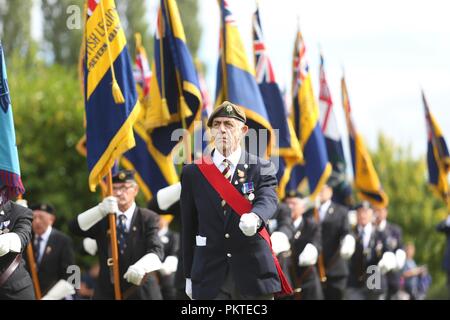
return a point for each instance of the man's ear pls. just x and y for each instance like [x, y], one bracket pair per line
[244, 129]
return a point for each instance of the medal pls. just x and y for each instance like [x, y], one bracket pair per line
[251, 196]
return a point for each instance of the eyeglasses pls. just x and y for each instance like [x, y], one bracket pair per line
[122, 188]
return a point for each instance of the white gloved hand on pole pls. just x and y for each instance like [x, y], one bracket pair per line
[169, 266]
[347, 247]
[136, 272]
[280, 242]
[90, 246]
[89, 218]
[22, 202]
[60, 290]
[309, 256]
[249, 224]
[168, 196]
[9, 242]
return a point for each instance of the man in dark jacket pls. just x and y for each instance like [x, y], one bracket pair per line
[444, 227]
[140, 249]
[15, 234]
[224, 256]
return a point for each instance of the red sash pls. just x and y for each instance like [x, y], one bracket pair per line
[240, 205]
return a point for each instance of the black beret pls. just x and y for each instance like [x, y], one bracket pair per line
[228, 110]
[123, 176]
[43, 207]
[294, 194]
[362, 204]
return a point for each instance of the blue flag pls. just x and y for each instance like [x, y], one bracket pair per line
[111, 101]
[9, 159]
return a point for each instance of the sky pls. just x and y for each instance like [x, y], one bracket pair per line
[390, 50]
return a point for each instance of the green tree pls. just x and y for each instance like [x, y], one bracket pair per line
[134, 18]
[189, 15]
[412, 204]
[15, 32]
[59, 40]
[48, 113]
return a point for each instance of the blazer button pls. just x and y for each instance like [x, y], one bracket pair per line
[227, 235]
[229, 255]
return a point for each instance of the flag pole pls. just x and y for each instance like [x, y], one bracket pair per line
[33, 270]
[114, 260]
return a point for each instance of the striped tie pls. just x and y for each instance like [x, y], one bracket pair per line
[227, 174]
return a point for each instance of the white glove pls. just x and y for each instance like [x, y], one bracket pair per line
[90, 217]
[249, 223]
[22, 202]
[169, 266]
[388, 262]
[9, 242]
[280, 242]
[136, 272]
[90, 246]
[60, 290]
[400, 256]
[168, 196]
[347, 247]
[188, 288]
[309, 256]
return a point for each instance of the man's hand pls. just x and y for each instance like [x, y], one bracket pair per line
[347, 247]
[249, 223]
[108, 205]
[9, 242]
[309, 256]
[280, 242]
[134, 274]
[188, 288]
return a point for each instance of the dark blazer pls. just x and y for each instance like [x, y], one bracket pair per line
[393, 235]
[335, 227]
[306, 278]
[16, 219]
[142, 239]
[362, 259]
[444, 228]
[227, 249]
[58, 255]
[283, 220]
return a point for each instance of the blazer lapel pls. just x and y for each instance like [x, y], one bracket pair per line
[48, 246]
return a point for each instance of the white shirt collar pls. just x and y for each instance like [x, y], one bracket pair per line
[382, 225]
[46, 234]
[129, 214]
[298, 221]
[163, 231]
[233, 157]
[367, 234]
[323, 209]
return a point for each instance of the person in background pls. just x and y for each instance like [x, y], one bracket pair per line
[415, 277]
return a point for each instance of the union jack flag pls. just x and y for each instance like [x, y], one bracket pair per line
[300, 67]
[264, 70]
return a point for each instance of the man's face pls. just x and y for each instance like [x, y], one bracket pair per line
[364, 216]
[325, 193]
[227, 134]
[41, 221]
[125, 193]
[297, 207]
[380, 214]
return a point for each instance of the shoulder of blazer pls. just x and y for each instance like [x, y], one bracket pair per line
[60, 236]
[147, 214]
[340, 209]
[20, 211]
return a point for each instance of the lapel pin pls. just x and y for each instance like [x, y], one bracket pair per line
[240, 173]
[245, 166]
[251, 196]
[48, 250]
[134, 228]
